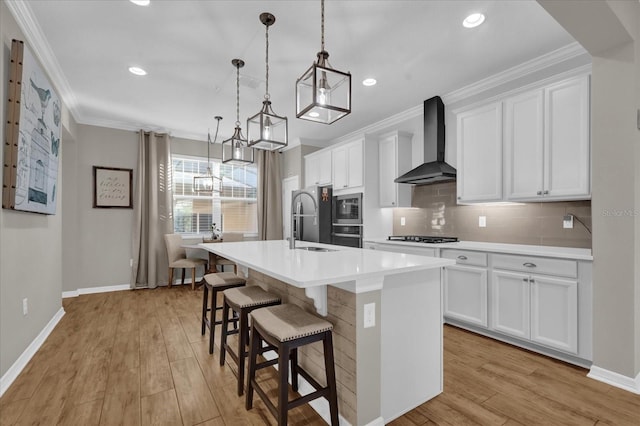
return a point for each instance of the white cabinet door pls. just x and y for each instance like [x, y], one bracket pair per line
[394, 157]
[510, 301]
[480, 154]
[324, 161]
[317, 168]
[355, 164]
[465, 294]
[554, 312]
[524, 137]
[339, 163]
[566, 145]
[348, 165]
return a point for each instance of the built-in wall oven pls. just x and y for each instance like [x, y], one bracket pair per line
[347, 220]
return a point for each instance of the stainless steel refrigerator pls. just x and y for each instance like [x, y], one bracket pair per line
[307, 228]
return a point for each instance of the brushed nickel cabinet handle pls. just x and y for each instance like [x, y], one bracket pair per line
[539, 193]
[461, 257]
[546, 192]
[529, 265]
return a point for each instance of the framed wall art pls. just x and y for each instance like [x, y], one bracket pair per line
[32, 136]
[112, 187]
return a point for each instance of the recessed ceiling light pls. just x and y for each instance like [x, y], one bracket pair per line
[137, 71]
[473, 20]
[141, 2]
[314, 114]
[369, 82]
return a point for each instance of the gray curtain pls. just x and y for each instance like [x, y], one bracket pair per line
[269, 195]
[153, 211]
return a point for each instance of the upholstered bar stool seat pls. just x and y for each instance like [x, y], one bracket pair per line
[287, 327]
[216, 283]
[241, 301]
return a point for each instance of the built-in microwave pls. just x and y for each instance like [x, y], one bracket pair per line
[347, 209]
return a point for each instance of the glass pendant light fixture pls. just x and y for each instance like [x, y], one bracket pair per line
[235, 150]
[266, 130]
[323, 94]
[208, 183]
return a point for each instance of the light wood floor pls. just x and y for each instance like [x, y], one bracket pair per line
[137, 358]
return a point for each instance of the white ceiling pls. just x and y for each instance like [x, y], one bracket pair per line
[415, 49]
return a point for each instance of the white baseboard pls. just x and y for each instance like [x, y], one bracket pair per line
[92, 290]
[12, 373]
[614, 379]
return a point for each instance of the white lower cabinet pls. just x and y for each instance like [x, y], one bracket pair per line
[510, 301]
[465, 294]
[539, 308]
[554, 312]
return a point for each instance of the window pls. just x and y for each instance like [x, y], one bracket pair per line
[233, 209]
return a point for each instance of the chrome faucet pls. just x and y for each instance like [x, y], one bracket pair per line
[294, 214]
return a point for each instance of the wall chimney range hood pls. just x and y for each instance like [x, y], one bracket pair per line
[434, 169]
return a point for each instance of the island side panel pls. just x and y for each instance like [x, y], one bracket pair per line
[342, 314]
[412, 356]
[369, 363]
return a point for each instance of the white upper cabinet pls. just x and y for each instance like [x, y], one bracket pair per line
[567, 140]
[480, 154]
[394, 156]
[547, 149]
[348, 165]
[524, 137]
[317, 168]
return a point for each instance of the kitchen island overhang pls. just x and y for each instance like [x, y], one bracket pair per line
[383, 370]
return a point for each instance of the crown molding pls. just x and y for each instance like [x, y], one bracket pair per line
[557, 56]
[24, 16]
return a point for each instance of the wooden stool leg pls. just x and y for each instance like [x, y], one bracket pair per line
[294, 369]
[330, 370]
[224, 330]
[193, 278]
[254, 346]
[283, 385]
[182, 283]
[170, 277]
[212, 321]
[205, 308]
[243, 336]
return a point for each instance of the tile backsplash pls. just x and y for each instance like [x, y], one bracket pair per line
[435, 212]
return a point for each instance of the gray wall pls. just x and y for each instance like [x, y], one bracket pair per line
[608, 30]
[30, 248]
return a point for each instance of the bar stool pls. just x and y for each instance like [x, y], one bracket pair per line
[241, 301]
[288, 327]
[216, 283]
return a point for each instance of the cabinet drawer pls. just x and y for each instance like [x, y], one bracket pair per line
[536, 265]
[464, 257]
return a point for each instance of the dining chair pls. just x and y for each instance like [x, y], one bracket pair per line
[178, 259]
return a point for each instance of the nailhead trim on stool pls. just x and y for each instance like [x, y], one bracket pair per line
[216, 283]
[288, 327]
[241, 301]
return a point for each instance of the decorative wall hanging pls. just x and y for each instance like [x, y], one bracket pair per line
[112, 187]
[32, 136]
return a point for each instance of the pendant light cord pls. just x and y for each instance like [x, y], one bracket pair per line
[237, 95]
[322, 25]
[266, 36]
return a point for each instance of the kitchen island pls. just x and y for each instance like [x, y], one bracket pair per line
[387, 314]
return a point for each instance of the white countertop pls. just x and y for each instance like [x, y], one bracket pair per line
[531, 250]
[304, 269]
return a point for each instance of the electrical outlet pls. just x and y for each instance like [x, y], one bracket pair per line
[567, 221]
[403, 221]
[482, 221]
[369, 315]
[25, 306]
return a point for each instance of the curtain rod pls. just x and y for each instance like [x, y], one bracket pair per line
[148, 132]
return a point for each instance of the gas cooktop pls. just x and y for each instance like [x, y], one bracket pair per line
[422, 239]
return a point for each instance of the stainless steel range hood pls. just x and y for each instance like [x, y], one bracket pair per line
[434, 169]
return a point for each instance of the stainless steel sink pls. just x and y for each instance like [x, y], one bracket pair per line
[312, 248]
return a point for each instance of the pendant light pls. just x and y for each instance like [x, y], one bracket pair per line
[323, 94]
[207, 183]
[235, 149]
[266, 130]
